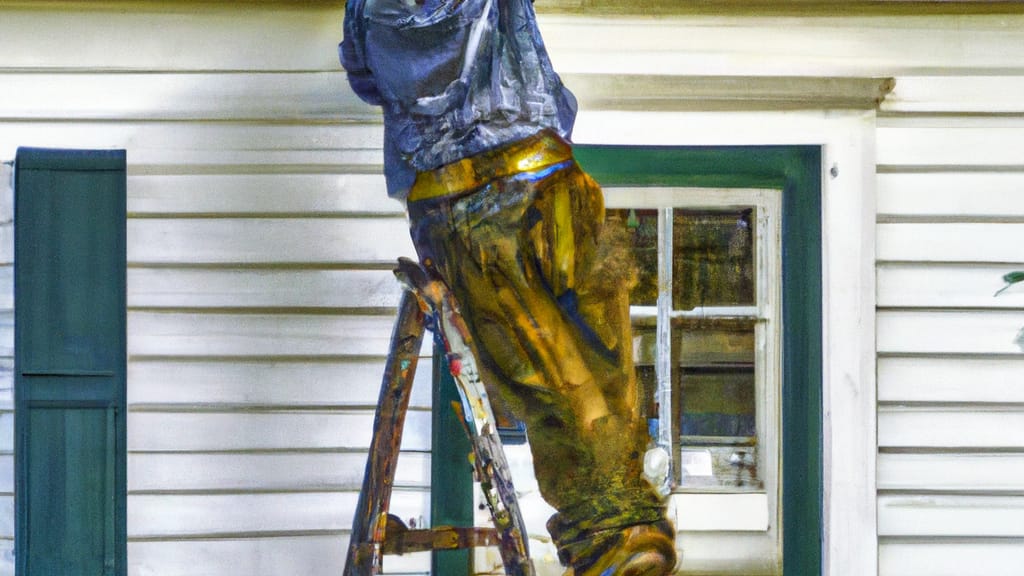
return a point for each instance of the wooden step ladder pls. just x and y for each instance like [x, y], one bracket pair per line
[375, 532]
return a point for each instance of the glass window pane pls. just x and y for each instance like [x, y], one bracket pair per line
[712, 375]
[642, 229]
[645, 354]
[715, 403]
[713, 258]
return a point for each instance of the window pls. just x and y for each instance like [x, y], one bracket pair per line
[706, 349]
[705, 339]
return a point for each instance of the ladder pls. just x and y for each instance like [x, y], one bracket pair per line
[375, 533]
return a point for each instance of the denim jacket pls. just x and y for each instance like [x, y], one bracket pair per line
[453, 77]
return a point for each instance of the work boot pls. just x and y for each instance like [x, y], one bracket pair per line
[640, 550]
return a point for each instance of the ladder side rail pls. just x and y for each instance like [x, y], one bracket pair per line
[492, 468]
[370, 521]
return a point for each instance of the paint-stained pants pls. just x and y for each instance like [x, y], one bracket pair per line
[543, 286]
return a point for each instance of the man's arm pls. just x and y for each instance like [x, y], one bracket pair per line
[352, 53]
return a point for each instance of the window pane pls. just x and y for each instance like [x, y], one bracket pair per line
[713, 258]
[715, 403]
[642, 229]
[712, 374]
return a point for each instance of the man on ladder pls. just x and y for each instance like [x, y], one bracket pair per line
[476, 128]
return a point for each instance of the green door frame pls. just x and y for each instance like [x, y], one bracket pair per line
[70, 362]
[796, 170]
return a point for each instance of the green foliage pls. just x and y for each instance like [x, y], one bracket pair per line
[1011, 279]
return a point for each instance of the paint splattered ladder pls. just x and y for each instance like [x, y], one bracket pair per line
[375, 532]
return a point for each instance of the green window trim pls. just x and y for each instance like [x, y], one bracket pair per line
[449, 467]
[796, 170]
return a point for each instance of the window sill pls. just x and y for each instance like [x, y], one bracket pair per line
[711, 512]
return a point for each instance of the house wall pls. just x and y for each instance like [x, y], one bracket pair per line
[950, 375]
[6, 369]
[259, 287]
[260, 240]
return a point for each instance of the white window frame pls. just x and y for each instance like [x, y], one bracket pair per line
[746, 521]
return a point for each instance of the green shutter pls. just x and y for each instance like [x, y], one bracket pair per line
[70, 362]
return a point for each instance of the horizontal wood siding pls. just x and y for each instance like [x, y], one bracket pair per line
[950, 366]
[309, 554]
[261, 301]
[951, 557]
[6, 368]
[275, 471]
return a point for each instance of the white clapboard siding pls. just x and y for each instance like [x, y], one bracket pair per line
[278, 382]
[951, 242]
[337, 430]
[951, 416]
[242, 288]
[6, 383]
[996, 557]
[251, 241]
[956, 94]
[6, 516]
[7, 432]
[191, 515]
[6, 189]
[989, 380]
[951, 472]
[297, 96]
[950, 332]
[6, 371]
[6, 557]
[7, 333]
[300, 472]
[6, 233]
[168, 143]
[260, 300]
[276, 194]
[980, 516]
[941, 427]
[783, 46]
[187, 147]
[944, 143]
[185, 37]
[951, 195]
[6, 244]
[916, 285]
[7, 284]
[161, 334]
[254, 210]
[6, 473]
[308, 555]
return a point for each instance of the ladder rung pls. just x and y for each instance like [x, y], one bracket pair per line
[440, 538]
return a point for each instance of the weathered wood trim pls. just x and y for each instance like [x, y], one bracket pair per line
[654, 93]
